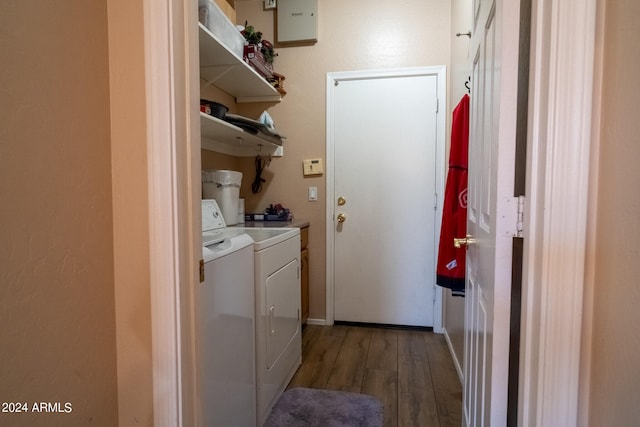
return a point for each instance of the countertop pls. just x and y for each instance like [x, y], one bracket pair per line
[295, 223]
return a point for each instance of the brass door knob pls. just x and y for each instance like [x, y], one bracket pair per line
[342, 218]
[464, 241]
[341, 201]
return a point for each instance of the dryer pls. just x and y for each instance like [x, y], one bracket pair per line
[278, 315]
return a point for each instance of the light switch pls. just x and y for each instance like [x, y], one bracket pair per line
[313, 194]
[312, 167]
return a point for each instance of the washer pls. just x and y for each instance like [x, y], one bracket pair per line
[278, 323]
[226, 324]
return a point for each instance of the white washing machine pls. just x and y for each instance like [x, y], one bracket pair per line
[226, 324]
[278, 323]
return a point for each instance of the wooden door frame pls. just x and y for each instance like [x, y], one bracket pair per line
[441, 119]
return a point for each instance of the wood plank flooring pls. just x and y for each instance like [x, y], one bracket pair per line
[410, 372]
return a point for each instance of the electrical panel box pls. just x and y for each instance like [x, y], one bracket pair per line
[297, 21]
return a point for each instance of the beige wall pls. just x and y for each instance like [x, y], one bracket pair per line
[57, 312]
[130, 212]
[615, 342]
[353, 35]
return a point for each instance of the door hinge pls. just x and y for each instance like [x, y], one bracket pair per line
[435, 201]
[201, 270]
[437, 105]
[520, 217]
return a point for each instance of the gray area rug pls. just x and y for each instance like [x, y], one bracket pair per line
[307, 407]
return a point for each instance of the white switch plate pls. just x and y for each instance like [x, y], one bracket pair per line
[269, 4]
[312, 167]
[313, 194]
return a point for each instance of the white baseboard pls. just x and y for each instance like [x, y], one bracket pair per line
[456, 362]
[320, 322]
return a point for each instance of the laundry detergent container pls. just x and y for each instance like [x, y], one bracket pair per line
[224, 187]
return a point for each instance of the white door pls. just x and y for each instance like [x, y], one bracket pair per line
[383, 129]
[492, 211]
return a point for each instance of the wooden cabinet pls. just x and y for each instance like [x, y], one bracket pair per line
[304, 273]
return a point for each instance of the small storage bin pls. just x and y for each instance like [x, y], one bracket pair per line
[224, 187]
[211, 16]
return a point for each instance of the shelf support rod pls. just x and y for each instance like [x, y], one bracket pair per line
[223, 70]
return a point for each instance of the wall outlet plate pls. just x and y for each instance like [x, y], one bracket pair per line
[269, 4]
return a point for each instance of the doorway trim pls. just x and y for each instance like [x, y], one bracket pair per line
[558, 34]
[557, 214]
[332, 78]
[173, 162]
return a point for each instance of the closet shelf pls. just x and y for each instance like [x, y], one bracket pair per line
[223, 137]
[226, 70]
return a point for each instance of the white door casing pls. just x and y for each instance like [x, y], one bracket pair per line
[390, 234]
[562, 42]
[173, 163]
[554, 373]
[492, 210]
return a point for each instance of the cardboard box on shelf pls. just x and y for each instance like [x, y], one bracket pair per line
[228, 7]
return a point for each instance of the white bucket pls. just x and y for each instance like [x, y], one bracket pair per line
[224, 187]
[241, 212]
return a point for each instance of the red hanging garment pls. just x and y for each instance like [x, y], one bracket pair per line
[450, 270]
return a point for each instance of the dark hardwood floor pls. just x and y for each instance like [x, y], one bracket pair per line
[411, 372]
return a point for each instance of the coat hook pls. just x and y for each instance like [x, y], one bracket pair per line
[468, 34]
